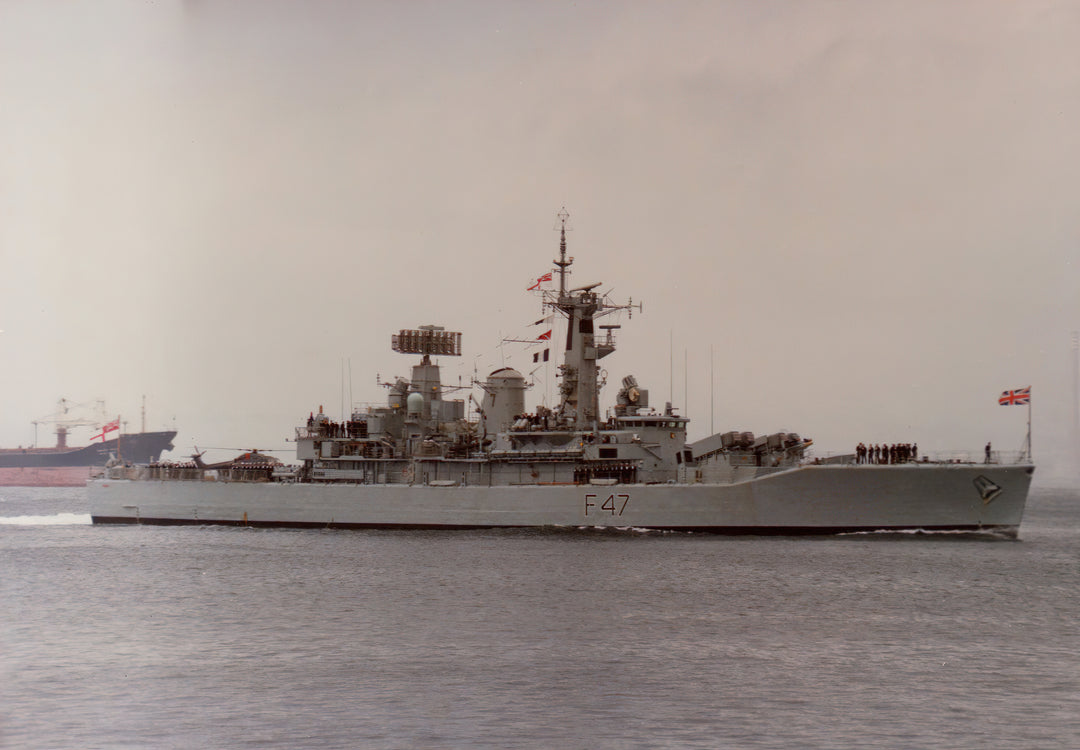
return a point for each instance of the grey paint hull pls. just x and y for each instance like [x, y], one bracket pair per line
[807, 499]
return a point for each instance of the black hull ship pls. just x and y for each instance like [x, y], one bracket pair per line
[71, 466]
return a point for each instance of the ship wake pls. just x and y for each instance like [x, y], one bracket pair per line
[58, 519]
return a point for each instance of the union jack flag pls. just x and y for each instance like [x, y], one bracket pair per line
[1018, 397]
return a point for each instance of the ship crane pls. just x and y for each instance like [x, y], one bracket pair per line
[64, 423]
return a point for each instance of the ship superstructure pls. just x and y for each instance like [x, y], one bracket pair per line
[421, 436]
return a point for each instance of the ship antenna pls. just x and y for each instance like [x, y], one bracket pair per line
[562, 262]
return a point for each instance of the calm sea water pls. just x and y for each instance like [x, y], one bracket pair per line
[134, 637]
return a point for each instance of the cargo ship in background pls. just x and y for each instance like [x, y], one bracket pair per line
[64, 465]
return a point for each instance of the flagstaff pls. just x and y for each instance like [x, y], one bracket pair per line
[1020, 397]
[1029, 429]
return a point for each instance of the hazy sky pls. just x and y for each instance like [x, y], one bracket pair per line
[866, 211]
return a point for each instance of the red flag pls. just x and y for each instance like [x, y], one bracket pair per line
[546, 336]
[539, 281]
[110, 427]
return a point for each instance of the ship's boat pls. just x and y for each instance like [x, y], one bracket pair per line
[420, 461]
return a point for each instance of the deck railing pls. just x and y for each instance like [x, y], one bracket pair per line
[932, 457]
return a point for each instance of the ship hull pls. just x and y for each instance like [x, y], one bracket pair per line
[803, 500]
[71, 467]
[45, 476]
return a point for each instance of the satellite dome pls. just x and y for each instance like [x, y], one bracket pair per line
[415, 403]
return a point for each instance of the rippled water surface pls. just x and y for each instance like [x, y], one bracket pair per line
[177, 637]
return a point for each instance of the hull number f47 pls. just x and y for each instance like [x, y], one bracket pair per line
[612, 504]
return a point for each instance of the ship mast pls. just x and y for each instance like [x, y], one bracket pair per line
[580, 404]
[562, 262]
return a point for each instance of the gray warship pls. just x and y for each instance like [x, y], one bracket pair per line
[421, 462]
